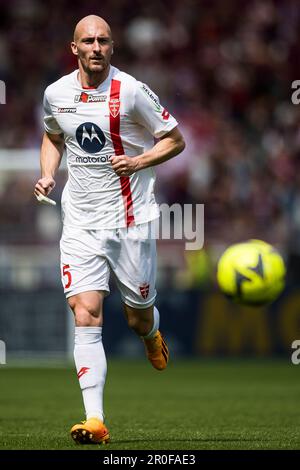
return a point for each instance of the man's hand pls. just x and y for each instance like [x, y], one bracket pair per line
[123, 165]
[44, 186]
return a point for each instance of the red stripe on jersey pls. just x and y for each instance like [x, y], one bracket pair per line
[114, 123]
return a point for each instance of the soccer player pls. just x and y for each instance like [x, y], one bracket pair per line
[106, 119]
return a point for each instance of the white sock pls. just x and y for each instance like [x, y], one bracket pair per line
[91, 368]
[155, 324]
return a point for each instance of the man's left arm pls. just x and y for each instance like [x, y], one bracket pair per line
[168, 146]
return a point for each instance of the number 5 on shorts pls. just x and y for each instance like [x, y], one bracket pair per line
[67, 273]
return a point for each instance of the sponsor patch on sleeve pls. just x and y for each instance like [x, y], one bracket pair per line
[152, 98]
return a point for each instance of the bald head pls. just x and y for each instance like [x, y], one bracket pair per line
[93, 47]
[88, 25]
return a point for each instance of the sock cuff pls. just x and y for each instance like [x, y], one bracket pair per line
[155, 324]
[88, 334]
[88, 329]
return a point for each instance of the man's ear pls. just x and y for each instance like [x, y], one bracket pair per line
[74, 48]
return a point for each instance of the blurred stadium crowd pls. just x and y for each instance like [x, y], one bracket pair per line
[224, 68]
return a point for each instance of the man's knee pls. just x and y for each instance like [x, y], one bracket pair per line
[87, 309]
[87, 316]
[133, 322]
[139, 320]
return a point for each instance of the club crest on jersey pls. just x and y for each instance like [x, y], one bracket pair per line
[90, 137]
[144, 290]
[89, 98]
[114, 106]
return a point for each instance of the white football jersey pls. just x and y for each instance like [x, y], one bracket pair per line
[119, 117]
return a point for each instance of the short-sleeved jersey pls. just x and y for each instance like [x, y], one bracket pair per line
[121, 116]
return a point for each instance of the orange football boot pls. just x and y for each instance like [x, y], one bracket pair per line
[91, 431]
[157, 351]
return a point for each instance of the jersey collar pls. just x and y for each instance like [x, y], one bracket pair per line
[102, 85]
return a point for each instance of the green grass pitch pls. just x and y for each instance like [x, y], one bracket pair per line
[226, 404]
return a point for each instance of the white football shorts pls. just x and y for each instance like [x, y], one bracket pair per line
[88, 257]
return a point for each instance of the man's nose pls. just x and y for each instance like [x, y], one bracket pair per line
[96, 46]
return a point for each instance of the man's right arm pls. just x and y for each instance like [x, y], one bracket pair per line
[51, 152]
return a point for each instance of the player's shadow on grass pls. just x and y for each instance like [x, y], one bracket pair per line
[225, 439]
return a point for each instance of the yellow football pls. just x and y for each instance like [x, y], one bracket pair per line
[251, 273]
